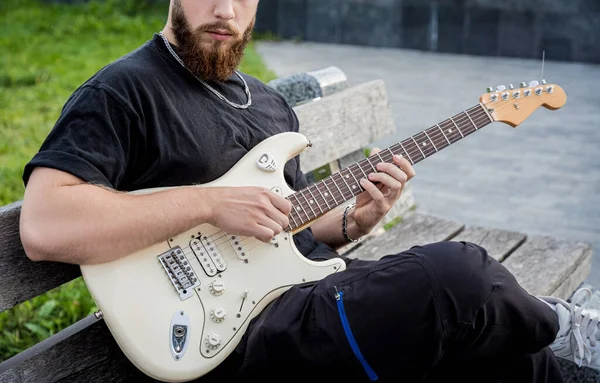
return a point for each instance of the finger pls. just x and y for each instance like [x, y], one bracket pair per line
[373, 191]
[405, 165]
[282, 204]
[263, 233]
[278, 217]
[273, 226]
[393, 184]
[393, 171]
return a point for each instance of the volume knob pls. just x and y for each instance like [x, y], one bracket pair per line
[216, 287]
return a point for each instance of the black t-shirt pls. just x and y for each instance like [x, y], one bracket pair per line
[144, 121]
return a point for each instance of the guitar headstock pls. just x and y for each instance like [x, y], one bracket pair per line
[513, 105]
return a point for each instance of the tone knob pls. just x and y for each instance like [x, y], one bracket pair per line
[216, 287]
[218, 314]
[212, 341]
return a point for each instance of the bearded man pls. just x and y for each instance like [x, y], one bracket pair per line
[176, 112]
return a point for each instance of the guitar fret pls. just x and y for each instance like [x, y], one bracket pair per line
[442, 130]
[471, 120]
[361, 169]
[481, 117]
[424, 156]
[430, 140]
[382, 160]
[330, 193]
[343, 179]
[301, 208]
[313, 197]
[457, 127]
[338, 188]
[292, 216]
[405, 151]
[355, 180]
[486, 112]
[309, 204]
[322, 196]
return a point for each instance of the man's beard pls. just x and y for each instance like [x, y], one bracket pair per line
[214, 62]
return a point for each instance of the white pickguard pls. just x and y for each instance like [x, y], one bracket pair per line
[140, 304]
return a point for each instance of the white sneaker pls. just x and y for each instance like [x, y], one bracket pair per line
[578, 338]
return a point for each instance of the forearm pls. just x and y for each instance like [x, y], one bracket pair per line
[86, 224]
[328, 229]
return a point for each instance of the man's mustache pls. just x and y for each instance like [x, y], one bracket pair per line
[220, 26]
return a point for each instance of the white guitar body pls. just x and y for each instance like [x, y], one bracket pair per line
[180, 333]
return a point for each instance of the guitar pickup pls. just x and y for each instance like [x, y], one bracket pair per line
[239, 249]
[208, 255]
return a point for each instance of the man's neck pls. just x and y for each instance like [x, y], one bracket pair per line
[168, 33]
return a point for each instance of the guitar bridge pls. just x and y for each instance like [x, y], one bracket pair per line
[180, 272]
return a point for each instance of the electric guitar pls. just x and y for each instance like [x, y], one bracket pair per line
[178, 308]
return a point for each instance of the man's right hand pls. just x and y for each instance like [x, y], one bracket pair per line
[248, 211]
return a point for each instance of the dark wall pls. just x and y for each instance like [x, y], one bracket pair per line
[568, 30]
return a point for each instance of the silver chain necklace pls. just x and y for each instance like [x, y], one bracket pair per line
[246, 89]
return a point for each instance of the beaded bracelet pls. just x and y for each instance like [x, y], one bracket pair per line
[345, 222]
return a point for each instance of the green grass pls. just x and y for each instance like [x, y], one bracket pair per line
[48, 50]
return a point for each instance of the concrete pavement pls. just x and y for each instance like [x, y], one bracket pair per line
[541, 178]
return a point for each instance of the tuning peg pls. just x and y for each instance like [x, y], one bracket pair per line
[544, 82]
[523, 84]
[534, 83]
[500, 88]
[511, 86]
[489, 89]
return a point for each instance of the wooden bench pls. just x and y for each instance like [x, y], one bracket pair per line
[341, 122]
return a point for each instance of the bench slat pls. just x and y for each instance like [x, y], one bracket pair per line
[499, 243]
[547, 266]
[83, 352]
[21, 278]
[344, 122]
[417, 229]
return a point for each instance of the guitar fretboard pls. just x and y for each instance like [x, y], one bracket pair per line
[319, 198]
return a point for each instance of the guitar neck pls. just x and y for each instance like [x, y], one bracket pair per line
[321, 197]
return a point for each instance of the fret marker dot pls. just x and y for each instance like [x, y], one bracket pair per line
[326, 194]
[449, 130]
[311, 201]
[424, 143]
[298, 208]
[353, 186]
[347, 176]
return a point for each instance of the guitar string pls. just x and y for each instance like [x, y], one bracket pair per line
[214, 240]
[500, 109]
[475, 115]
[464, 119]
[476, 118]
[433, 137]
